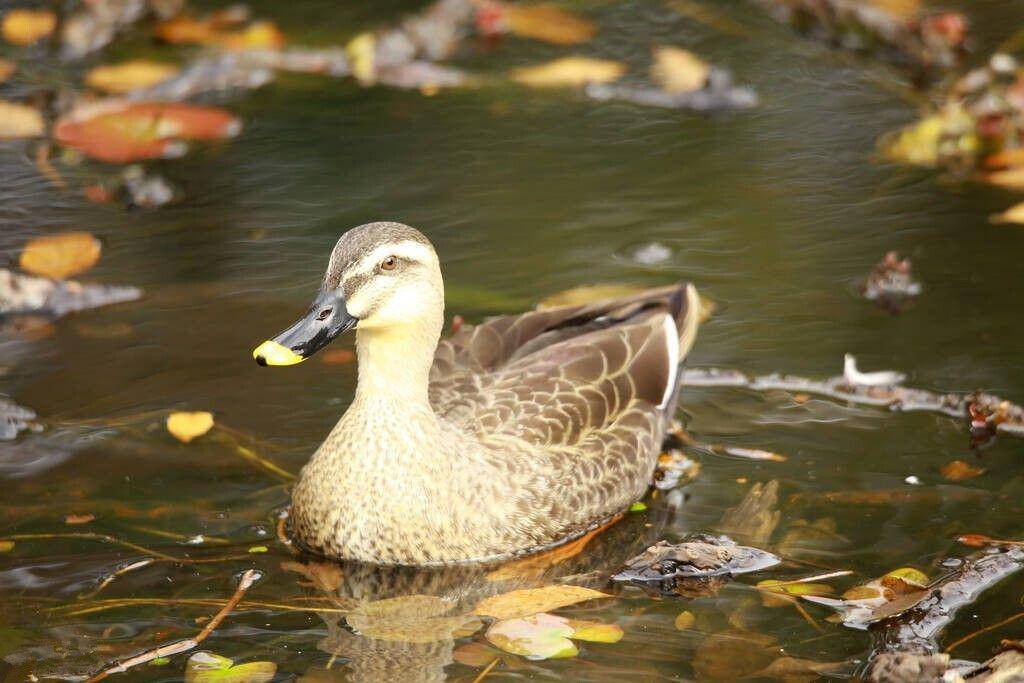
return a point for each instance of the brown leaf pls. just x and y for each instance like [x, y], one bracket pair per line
[678, 70]
[904, 10]
[1014, 215]
[20, 121]
[958, 470]
[186, 426]
[26, 26]
[79, 519]
[569, 72]
[522, 603]
[792, 669]
[128, 76]
[60, 256]
[6, 69]
[548, 23]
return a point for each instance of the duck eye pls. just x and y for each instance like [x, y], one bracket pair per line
[390, 263]
[324, 313]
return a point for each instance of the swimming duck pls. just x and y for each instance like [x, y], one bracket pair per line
[510, 437]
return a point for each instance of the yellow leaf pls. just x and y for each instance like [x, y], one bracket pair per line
[25, 26]
[678, 70]
[361, 51]
[6, 69]
[685, 620]
[60, 256]
[548, 23]
[569, 72]
[908, 575]
[1015, 215]
[188, 426]
[901, 9]
[128, 76]
[958, 470]
[595, 631]
[769, 586]
[6, 546]
[260, 35]
[20, 121]
[858, 593]
[206, 667]
[1010, 179]
[521, 603]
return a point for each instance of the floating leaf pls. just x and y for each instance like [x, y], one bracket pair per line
[548, 23]
[258, 549]
[121, 133]
[905, 578]
[79, 519]
[6, 546]
[540, 636]
[678, 70]
[1015, 215]
[528, 601]
[211, 31]
[60, 256]
[569, 72]
[1004, 159]
[958, 470]
[1009, 179]
[128, 76]
[685, 620]
[638, 507]
[793, 589]
[20, 121]
[595, 631]
[186, 426]
[900, 9]
[6, 69]
[206, 667]
[26, 26]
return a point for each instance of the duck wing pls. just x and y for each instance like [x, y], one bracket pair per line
[564, 377]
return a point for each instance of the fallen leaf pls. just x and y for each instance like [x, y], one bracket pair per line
[97, 194]
[1014, 215]
[540, 636]
[337, 356]
[528, 601]
[188, 426]
[258, 549]
[569, 72]
[6, 69]
[1004, 159]
[26, 26]
[212, 31]
[6, 546]
[685, 620]
[122, 132]
[60, 256]
[901, 9]
[20, 121]
[958, 470]
[595, 631]
[128, 76]
[792, 669]
[548, 23]
[678, 70]
[638, 507]
[206, 667]
[79, 519]
[768, 587]
[905, 579]
[1009, 179]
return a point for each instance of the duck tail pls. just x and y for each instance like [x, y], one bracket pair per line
[684, 307]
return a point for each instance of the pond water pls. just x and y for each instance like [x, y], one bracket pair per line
[774, 213]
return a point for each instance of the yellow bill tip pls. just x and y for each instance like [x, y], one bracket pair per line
[272, 353]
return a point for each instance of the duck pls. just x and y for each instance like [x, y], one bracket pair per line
[510, 437]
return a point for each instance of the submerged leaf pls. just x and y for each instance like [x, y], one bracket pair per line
[958, 470]
[569, 72]
[20, 121]
[548, 23]
[26, 26]
[678, 70]
[186, 426]
[520, 603]
[207, 667]
[60, 256]
[128, 76]
[685, 620]
[539, 636]
[79, 519]
[794, 589]
[595, 631]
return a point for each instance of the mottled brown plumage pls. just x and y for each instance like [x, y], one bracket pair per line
[512, 436]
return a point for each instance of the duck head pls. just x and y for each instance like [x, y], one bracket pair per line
[380, 277]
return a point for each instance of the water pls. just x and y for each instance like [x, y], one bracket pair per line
[774, 213]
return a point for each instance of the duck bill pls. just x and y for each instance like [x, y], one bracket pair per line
[326, 319]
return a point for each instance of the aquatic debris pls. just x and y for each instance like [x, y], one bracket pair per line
[207, 667]
[124, 77]
[121, 132]
[97, 22]
[61, 255]
[667, 567]
[882, 378]
[718, 94]
[986, 412]
[569, 72]
[27, 26]
[932, 41]
[674, 469]
[24, 294]
[188, 426]
[224, 29]
[547, 636]
[958, 470]
[226, 71]
[7, 68]
[677, 70]
[651, 254]
[527, 601]
[909, 667]
[15, 419]
[79, 519]
[248, 578]
[547, 23]
[145, 190]
[891, 283]
[20, 121]
[1013, 215]
[754, 520]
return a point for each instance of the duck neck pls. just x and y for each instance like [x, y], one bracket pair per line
[395, 362]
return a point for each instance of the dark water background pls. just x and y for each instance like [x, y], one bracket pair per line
[774, 213]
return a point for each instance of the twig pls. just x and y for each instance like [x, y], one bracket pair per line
[483, 674]
[251, 456]
[117, 603]
[971, 636]
[120, 572]
[103, 538]
[248, 579]
[819, 577]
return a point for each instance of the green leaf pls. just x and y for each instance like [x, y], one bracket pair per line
[207, 667]
[637, 507]
[595, 631]
[540, 636]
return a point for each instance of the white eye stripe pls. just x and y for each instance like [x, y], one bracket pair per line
[412, 251]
